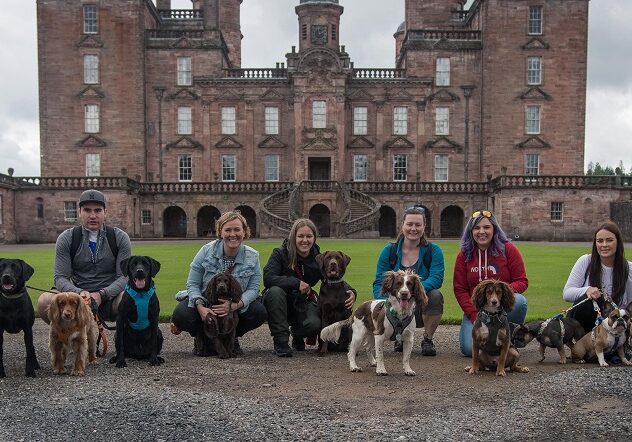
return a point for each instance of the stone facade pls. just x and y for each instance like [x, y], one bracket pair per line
[485, 108]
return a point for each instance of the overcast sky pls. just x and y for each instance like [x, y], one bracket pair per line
[366, 29]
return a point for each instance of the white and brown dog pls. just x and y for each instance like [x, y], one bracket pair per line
[383, 319]
[606, 338]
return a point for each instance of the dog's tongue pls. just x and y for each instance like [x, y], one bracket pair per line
[8, 286]
[404, 304]
[140, 283]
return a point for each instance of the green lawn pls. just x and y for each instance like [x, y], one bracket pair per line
[547, 265]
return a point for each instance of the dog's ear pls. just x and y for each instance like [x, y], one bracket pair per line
[479, 297]
[235, 289]
[418, 291]
[320, 260]
[155, 266]
[346, 259]
[27, 270]
[388, 279]
[629, 309]
[124, 268]
[84, 314]
[209, 292]
[508, 299]
[53, 310]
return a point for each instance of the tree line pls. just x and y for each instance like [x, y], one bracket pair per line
[598, 169]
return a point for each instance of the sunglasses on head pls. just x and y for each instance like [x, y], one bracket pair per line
[479, 213]
[414, 210]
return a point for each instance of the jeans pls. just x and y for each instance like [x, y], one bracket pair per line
[517, 316]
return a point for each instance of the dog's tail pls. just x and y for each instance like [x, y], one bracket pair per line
[332, 332]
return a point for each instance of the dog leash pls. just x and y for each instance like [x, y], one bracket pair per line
[100, 325]
[51, 290]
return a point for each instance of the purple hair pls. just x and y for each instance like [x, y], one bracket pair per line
[468, 245]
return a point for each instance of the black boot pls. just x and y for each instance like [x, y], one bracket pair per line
[298, 344]
[281, 348]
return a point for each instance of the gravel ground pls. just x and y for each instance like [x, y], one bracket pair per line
[262, 397]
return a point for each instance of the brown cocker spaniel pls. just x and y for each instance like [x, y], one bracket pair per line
[72, 325]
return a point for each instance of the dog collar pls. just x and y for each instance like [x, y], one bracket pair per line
[487, 317]
[398, 324]
[16, 296]
[333, 281]
[546, 323]
[137, 294]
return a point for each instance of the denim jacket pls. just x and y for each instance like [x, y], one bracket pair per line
[208, 262]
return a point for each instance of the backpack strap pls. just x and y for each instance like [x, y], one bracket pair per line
[77, 237]
[427, 259]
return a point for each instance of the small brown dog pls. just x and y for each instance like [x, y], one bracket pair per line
[332, 297]
[608, 337]
[491, 337]
[72, 325]
[221, 331]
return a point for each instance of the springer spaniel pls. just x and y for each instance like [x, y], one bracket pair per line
[377, 321]
[72, 325]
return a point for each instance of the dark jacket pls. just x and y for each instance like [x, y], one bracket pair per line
[277, 273]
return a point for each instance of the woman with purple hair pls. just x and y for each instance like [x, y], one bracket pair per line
[486, 253]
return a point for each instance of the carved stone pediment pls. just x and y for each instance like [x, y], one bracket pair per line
[535, 93]
[271, 95]
[182, 43]
[310, 134]
[91, 141]
[228, 143]
[90, 41]
[320, 61]
[229, 95]
[443, 95]
[184, 93]
[319, 144]
[398, 95]
[271, 142]
[533, 142]
[443, 142]
[92, 92]
[360, 95]
[185, 143]
[399, 142]
[535, 43]
[360, 143]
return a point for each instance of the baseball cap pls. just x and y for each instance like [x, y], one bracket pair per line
[92, 196]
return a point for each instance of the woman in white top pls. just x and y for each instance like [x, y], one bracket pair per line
[604, 272]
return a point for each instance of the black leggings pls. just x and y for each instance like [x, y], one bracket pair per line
[585, 313]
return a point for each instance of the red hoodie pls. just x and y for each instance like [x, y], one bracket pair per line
[508, 268]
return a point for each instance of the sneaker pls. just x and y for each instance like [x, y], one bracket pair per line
[398, 346]
[237, 351]
[428, 347]
[298, 344]
[282, 350]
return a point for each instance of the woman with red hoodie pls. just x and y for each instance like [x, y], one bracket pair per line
[486, 253]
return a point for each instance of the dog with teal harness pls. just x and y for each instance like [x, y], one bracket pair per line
[137, 332]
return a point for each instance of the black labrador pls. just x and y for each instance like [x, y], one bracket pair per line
[16, 309]
[137, 333]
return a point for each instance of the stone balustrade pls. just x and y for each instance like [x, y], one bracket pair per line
[378, 74]
[257, 73]
[181, 13]
[444, 34]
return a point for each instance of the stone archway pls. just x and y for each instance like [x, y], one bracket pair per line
[251, 218]
[388, 222]
[452, 222]
[174, 222]
[320, 215]
[206, 217]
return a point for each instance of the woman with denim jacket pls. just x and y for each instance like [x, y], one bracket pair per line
[219, 255]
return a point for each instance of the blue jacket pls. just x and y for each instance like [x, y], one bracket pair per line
[208, 262]
[431, 278]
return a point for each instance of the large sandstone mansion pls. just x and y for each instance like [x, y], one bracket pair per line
[479, 108]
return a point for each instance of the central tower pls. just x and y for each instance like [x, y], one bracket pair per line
[319, 24]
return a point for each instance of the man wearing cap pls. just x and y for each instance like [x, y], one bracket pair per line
[86, 262]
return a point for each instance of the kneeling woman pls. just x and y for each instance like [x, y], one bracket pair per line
[288, 278]
[219, 255]
[486, 253]
[605, 271]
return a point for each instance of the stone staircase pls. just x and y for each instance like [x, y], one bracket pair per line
[359, 211]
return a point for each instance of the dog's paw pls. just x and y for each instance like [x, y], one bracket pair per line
[77, 373]
[410, 373]
[562, 361]
[501, 373]
[157, 361]
[112, 360]
[626, 362]
[59, 371]
[356, 370]
[605, 364]
[121, 363]
[381, 373]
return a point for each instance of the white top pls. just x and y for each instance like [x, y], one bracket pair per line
[577, 283]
